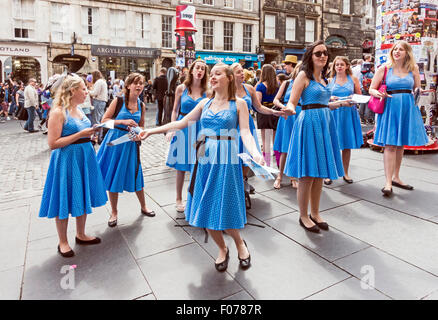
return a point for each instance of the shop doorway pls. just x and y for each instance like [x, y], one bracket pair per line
[22, 68]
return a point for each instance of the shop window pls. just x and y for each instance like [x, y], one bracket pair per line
[247, 37]
[23, 18]
[207, 34]
[23, 68]
[228, 36]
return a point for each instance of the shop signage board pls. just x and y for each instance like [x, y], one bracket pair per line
[130, 52]
[414, 21]
[185, 35]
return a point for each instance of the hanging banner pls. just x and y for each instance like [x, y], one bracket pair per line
[185, 35]
[414, 21]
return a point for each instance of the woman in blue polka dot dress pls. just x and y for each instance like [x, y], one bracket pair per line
[314, 150]
[216, 195]
[74, 183]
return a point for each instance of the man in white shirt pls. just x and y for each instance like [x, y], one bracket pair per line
[99, 95]
[357, 68]
[30, 104]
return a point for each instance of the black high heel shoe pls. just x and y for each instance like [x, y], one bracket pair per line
[222, 266]
[245, 263]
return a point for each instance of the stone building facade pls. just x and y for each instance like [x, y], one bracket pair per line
[287, 26]
[349, 27]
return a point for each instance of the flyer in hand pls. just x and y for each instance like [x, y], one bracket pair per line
[263, 172]
[109, 125]
[125, 138]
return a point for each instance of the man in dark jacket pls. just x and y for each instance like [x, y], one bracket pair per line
[160, 87]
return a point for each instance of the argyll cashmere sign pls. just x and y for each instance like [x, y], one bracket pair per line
[132, 52]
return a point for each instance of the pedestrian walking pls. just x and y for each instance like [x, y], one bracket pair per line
[248, 94]
[148, 91]
[343, 84]
[314, 149]
[120, 164]
[99, 95]
[216, 195]
[266, 92]
[160, 87]
[182, 154]
[74, 183]
[400, 124]
[19, 97]
[30, 104]
[285, 126]
[366, 77]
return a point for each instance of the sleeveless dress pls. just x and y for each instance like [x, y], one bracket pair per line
[218, 199]
[314, 148]
[119, 163]
[252, 127]
[74, 183]
[400, 124]
[284, 127]
[266, 121]
[347, 118]
[182, 153]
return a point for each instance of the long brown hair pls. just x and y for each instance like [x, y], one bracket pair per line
[230, 75]
[269, 76]
[307, 66]
[204, 81]
[96, 76]
[130, 79]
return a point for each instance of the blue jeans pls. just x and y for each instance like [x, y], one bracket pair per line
[31, 117]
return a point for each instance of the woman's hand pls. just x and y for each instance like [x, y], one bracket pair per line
[289, 111]
[378, 94]
[144, 134]
[129, 123]
[169, 136]
[87, 132]
[278, 113]
[259, 159]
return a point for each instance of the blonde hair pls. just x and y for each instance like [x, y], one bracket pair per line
[409, 62]
[64, 92]
[230, 75]
[347, 63]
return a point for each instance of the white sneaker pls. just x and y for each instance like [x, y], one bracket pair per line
[8, 118]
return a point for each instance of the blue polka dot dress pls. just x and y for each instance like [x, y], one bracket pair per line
[284, 127]
[217, 201]
[400, 124]
[252, 127]
[74, 183]
[314, 148]
[347, 118]
[119, 163]
[182, 153]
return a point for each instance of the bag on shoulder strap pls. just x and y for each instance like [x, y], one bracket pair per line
[377, 105]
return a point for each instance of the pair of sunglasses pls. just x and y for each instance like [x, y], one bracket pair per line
[320, 53]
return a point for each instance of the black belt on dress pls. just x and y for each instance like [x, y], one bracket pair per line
[200, 153]
[82, 140]
[182, 114]
[399, 91]
[138, 144]
[314, 106]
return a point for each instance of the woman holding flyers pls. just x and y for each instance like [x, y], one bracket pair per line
[120, 164]
[187, 96]
[344, 84]
[400, 124]
[74, 183]
[216, 195]
[314, 150]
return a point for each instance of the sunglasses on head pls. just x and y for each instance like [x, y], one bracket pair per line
[320, 53]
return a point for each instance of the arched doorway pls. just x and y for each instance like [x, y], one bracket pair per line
[22, 68]
[337, 46]
[73, 63]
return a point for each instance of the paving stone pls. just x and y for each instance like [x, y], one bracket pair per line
[14, 228]
[408, 238]
[357, 174]
[104, 271]
[11, 283]
[242, 295]
[350, 289]
[264, 208]
[402, 200]
[195, 276]
[163, 195]
[432, 296]
[392, 276]
[330, 245]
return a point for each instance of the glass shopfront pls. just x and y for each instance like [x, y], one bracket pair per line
[22, 68]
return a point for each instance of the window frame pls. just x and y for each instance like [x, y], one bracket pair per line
[169, 32]
[204, 35]
[314, 31]
[20, 20]
[229, 37]
[295, 28]
[273, 28]
[247, 38]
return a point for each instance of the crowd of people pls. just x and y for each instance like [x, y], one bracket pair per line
[309, 119]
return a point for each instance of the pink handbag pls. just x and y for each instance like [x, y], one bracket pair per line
[377, 105]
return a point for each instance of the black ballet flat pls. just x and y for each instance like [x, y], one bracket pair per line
[321, 225]
[67, 254]
[149, 214]
[245, 263]
[314, 229]
[328, 181]
[88, 242]
[403, 186]
[222, 266]
[386, 192]
[347, 180]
